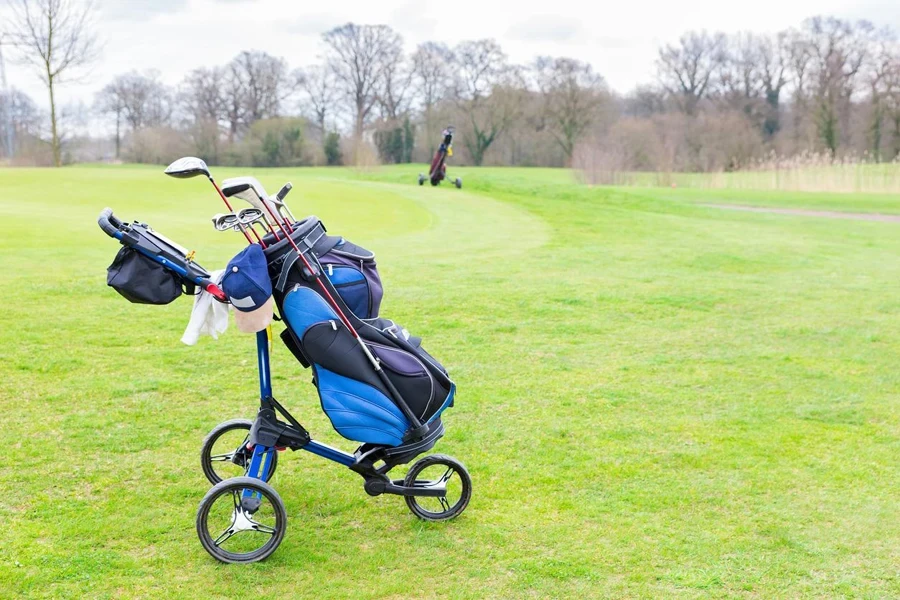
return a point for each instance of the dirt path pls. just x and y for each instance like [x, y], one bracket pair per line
[828, 214]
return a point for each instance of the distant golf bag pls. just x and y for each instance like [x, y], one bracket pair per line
[438, 170]
[362, 405]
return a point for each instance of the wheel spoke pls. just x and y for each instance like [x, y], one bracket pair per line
[444, 503]
[221, 457]
[447, 475]
[263, 528]
[225, 535]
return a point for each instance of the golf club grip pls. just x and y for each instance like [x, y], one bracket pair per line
[108, 223]
[284, 191]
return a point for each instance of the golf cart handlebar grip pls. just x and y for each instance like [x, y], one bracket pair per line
[108, 223]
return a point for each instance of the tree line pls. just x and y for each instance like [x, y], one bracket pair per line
[828, 87]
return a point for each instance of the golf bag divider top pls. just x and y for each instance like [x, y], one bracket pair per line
[350, 268]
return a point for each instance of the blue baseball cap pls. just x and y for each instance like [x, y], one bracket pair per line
[248, 287]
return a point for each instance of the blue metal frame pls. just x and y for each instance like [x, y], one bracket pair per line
[262, 455]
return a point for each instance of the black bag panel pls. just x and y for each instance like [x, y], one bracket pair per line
[331, 346]
[142, 280]
[334, 348]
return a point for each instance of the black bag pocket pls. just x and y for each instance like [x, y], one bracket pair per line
[142, 280]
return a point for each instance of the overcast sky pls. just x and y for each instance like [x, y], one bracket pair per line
[619, 38]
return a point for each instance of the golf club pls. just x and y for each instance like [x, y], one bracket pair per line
[253, 216]
[251, 191]
[239, 221]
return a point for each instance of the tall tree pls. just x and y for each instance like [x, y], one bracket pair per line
[880, 76]
[394, 92]
[838, 53]
[487, 91]
[255, 85]
[55, 38]
[572, 94]
[202, 95]
[686, 70]
[136, 100]
[359, 56]
[432, 72]
[19, 112]
[774, 57]
[110, 101]
[320, 93]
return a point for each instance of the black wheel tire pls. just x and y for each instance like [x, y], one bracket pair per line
[458, 183]
[460, 505]
[435, 182]
[210, 440]
[230, 486]
[421, 179]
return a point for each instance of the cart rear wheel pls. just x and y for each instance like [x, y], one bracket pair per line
[458, 183]
[241, 520]
[224, 453]
[433, 471]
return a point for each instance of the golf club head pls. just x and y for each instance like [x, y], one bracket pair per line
[186, 167]
[250, 190]
[224, 221]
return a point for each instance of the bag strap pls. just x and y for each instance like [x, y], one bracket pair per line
[314, 248]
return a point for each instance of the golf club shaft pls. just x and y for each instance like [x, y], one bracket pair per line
[256, 235]
[228, 204]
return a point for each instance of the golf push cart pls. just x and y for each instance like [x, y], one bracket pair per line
[438, 170]
[376, 383]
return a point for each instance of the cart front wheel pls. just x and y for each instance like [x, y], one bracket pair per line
[241, 520]
[446, 473]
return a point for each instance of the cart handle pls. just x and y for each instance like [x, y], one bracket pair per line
[108, 223]
[113, 228]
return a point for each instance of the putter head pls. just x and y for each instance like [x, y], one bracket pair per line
[188, 166]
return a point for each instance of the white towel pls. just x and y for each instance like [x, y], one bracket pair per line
[209, 316]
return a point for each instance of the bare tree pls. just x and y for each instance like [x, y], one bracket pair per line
[202, 95]
[432, 68]
[394, 93]
[839, 50]
[432, 72]
[686, 70]
[255, 86]
[488, 93]
[55, 38]
[572, 97]
[110, 101]
[17, 111]
[359, 55]
[136, 100]
[774, 57]
[320, 93]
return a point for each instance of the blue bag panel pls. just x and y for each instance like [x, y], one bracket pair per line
[303, 307]
[353, 287]
[358, 411]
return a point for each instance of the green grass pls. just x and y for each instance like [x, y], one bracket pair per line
[656, 399]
